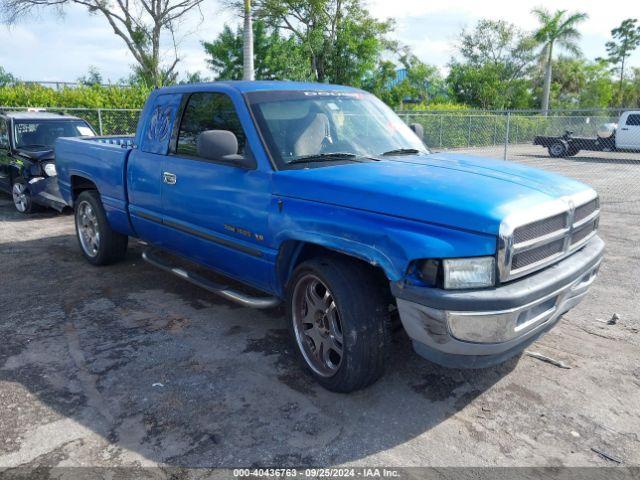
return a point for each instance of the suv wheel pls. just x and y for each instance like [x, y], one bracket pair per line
[338, 313]
[98, 242]
[22, 196]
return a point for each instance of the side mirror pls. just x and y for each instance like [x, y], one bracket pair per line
[221, 146]
[418, 130]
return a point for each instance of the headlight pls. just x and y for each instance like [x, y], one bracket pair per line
[50, 169]
[469, 272]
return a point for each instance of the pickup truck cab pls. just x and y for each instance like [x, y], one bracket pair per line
[321, 197]
[611, 137]
[27, 164]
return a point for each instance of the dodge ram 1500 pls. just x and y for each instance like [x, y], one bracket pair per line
[320, 197]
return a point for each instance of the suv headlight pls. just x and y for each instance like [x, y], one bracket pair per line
[50, 169]
[475, 272]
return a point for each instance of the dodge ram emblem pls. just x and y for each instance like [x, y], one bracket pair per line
[159, 124]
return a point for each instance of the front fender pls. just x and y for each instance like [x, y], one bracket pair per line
[391, 243]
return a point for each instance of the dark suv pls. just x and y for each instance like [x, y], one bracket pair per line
[27, 167]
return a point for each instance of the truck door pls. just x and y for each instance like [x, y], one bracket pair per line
[628, 133]
[216, 213]
[144, 168]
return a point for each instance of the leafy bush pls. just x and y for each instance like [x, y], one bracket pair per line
[95, 96]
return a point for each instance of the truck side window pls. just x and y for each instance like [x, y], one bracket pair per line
[207, 111]
[633, 120]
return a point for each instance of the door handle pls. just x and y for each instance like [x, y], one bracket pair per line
[625, 129]
[169, 178]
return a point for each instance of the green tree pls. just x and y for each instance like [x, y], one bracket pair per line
[491, 72]
[626, 38]
[634, 88]
[276, 57]
[93, 77]
[421, 84]
[556, 29]
[578, 83]
[5, 77]
[340, 39]
[147, 28]
[193, 77]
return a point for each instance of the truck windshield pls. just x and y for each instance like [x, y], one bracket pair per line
[43, 133]
[329, 126]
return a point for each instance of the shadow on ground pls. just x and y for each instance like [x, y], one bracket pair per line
[138, 367]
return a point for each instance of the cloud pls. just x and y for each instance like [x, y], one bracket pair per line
[421, 20]
[52, 48]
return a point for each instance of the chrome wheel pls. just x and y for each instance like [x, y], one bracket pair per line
[20, 196]
[88, 232]
[317, 325]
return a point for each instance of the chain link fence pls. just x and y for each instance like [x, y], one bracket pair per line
[105, 121]
[461, 129]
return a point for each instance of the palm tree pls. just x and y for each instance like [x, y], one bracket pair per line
[559, 29]
[247, 48]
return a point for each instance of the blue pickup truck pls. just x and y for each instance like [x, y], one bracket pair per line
[320, 197]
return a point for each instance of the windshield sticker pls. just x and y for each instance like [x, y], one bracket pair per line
[85, 131]
[332, 93]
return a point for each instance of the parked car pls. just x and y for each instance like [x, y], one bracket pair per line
[611, 137]
[321, 197]
[27, 165]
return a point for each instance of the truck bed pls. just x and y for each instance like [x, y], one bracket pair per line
[579, 143]
[100, 159]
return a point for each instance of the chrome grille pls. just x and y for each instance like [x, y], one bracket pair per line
[530, 246]
[538, 254]
[583, 232]
[540, 228]
[583, 211]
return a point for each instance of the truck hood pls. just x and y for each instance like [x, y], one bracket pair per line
[455, 190]
[40, 154]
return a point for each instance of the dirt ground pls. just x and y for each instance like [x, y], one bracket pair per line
[128, 366]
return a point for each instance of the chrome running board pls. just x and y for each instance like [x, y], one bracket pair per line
[221, 290]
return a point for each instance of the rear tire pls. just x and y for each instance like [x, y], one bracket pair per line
[558, 149]
[100, 244]
[338, 315]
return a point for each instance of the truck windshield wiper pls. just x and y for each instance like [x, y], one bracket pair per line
[401, 151]
[325, 157]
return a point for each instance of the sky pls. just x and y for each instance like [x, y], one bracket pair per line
[50, 48]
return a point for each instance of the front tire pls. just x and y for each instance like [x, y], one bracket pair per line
[21, 194]
[338, 314]
[100, 244]
[558, 149]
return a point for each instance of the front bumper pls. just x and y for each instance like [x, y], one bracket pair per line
[479, 328]
[45, 191]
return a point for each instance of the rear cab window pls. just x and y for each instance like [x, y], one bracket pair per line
[156, 136]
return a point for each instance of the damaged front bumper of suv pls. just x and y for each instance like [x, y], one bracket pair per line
[45, 191]
[480, 328]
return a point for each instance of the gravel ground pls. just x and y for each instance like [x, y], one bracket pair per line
[127, 366]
